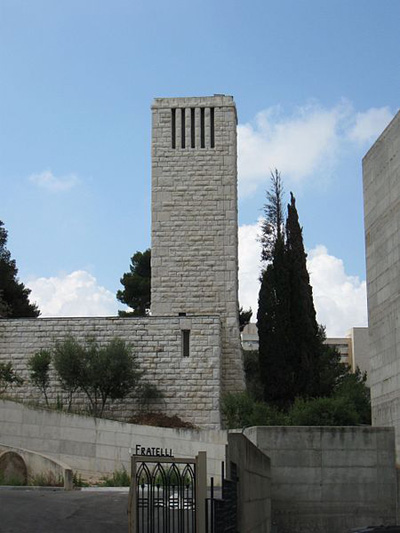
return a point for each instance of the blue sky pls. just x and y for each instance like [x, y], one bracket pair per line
[314, 83]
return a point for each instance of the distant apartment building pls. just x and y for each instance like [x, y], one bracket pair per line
[249, 337]
[353, 348]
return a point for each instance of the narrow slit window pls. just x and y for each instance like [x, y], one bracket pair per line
[173, 128]
[202, 131]
[185, 342]
[212, 134]
[192, 127]
[183, 128]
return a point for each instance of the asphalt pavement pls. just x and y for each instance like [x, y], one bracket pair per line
[27, 510]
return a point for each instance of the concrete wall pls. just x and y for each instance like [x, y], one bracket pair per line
[191, 385]
[38, 464]
[329, 479]
[97, 445]
[194, 255]
[254, 487]
[381, 179]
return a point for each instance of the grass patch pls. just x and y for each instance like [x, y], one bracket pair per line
[78, 482]
[11, 481]
[47, 479]
[119, 478]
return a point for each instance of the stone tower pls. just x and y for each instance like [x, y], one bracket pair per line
[194, 220]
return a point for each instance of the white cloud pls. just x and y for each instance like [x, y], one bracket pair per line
[339, 299]
[74, 294]
[369, 125]
[303, 143]
[249, 267]
[46, 180]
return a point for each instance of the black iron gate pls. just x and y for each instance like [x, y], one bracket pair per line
[167, 495]
[221, 509]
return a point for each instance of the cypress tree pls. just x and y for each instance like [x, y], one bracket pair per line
[304, 327]
[290, 340]
[14, 296]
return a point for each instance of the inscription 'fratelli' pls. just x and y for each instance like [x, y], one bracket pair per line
[153, 452]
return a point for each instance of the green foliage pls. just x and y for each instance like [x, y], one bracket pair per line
[148, 393]
[352, 387]
[8, 377]
[306, 343]
[112, 373]
[273, 223]
[240, 410]
[46, 479]
[11, 481]
[137, 285]
[293, 360]
[78, 481]
[39, 368]
[119, 478]
[244, 317]
[278, 369]
[14, 296]
[323, 412]
[251, 368]
[68, 356]
[103, 373]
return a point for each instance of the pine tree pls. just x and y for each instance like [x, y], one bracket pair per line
[14, 296]
[137, 285]
[273, 317]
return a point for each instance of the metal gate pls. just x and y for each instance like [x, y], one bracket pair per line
[221, 509]
[167, 495]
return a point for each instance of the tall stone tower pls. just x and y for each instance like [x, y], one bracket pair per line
[194, 220]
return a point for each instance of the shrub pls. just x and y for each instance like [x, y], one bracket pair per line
[323, 412]
[240, 410]
[102, 373]
[8, 377]
[67, 360]
[39, 367]
[119, 478]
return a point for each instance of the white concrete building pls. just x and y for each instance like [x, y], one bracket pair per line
[381, 181]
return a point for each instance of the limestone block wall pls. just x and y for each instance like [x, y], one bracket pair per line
[329, 478]
[191, 385]
[194, 217]
[381, 180]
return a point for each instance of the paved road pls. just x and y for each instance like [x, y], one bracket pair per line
[49, 511]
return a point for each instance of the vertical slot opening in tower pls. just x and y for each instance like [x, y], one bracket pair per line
[173, 128]
[185, 342]
[183, 127]
[212, 134]
[202, 128]
[192, 127]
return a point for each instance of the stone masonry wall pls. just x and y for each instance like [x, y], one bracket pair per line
[191, 385]
[194, 217]
[381, 176]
